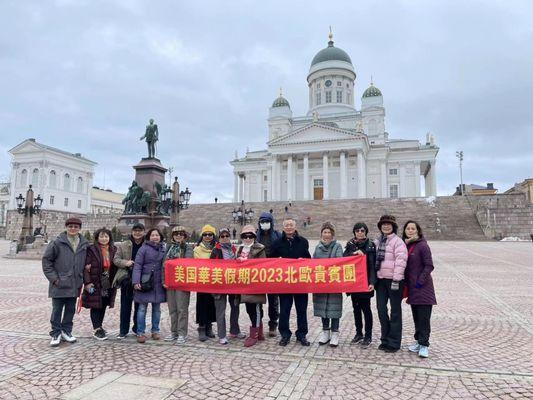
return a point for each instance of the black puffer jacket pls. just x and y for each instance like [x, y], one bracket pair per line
[368, 248]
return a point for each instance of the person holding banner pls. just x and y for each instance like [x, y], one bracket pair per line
[292, 245]
[391, 259]
[254, 302]
[225, 250]
[421, 293]
[267, 235]
[328, 306]
[178, 300]
[205, 304]
[360, 244]
[98, 274]
[148, 282]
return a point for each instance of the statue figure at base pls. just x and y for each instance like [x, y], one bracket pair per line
[151, 136]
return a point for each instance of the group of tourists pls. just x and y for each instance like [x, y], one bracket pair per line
[399, 265]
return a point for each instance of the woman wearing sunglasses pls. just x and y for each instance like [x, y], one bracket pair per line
[225, 250]
[205, 305]
[254, 302]
[360, 244]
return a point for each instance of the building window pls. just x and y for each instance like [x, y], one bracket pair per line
[265, 178]
[393, 171]
[328, 97]
[339, 83]
[393, 191]
[318, 99]
[79, 203]
[51, 200]
[66, 202]
[35, 178]
[66, 182]
[265, 195]
[23, 177]
[318, 85]
[318, 182]
[79, 186]
[339, 96]
[349, 98]
[53, 180]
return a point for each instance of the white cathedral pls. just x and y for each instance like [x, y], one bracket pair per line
[335, 151]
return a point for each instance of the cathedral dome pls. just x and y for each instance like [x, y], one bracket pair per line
[331, 53]
[372, 91]
[281, 102]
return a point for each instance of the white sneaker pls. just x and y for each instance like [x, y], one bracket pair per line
[67, 338]
[324, 337]
[334, 342]
[423, 352]
[223, 341]
[55, 341]
[181, 339]
[415, 348]
[170, 338]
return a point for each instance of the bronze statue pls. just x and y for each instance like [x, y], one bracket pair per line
[152, 136]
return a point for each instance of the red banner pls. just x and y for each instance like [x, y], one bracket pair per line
[268, 275]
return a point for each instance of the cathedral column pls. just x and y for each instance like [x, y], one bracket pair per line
[289, 179]
[241, 187]
[269, 184]
[325, 173]
[384, 190]
[417, 178]
[306, 176]
[431, 180]
[343, 175]
[402, 192]
[235, 187]
[361, 171]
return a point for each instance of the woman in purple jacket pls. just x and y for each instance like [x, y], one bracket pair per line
[149, 261]
[420, 285]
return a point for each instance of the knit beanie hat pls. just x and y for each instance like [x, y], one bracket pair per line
[224, 230]
[248, 229]
[328, 225]
[209, 229]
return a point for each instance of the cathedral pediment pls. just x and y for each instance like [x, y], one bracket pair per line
[316, 133]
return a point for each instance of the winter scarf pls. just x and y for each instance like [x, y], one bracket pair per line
[380, 254]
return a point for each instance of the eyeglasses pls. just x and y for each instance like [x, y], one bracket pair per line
[248, 236]
[73, 226]
[180, 233]
[207, 234]
[224, 236]
[361, 230]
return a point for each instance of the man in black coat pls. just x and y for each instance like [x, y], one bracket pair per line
[292, 245]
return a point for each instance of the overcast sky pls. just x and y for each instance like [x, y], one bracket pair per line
[86, 75]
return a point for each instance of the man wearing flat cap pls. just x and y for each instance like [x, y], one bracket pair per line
[63, 263]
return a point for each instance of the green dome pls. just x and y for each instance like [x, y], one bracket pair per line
[281, 102]
[372, 91]
[331, 53]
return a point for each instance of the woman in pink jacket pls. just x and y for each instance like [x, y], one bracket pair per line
[391, 259]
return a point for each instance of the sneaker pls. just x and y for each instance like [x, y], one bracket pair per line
[423, 352]
[122, 336]
[170, 338]
[223, 341]
[156, 336]
[357, 338]
[334, 342]
[181, 339]
[141, 338]
[324, 337]
[366, 342]
[415, 348]
[67, 337]
[99, 334]
[55, 340]
[239, 335]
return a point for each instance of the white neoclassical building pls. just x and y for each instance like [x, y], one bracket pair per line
[64, 180]
[335, 151]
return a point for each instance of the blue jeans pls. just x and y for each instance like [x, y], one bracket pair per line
[141, 317]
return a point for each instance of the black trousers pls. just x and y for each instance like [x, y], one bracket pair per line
[126, 301]
[255, 312]
[98, 314]
[205, 309]
[63, 309]
[285, 305]
[422, 318]
[273, 310]
[361, 307]
[391, 326]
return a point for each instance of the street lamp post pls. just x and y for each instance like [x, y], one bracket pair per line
[241, 215]
[175, 201]
[28, 207]
[459, 155]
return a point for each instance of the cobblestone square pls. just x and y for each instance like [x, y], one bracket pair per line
[481, 343]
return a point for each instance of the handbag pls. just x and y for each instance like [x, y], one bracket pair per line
[147, 281]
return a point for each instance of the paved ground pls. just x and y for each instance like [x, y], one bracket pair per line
[482, 343]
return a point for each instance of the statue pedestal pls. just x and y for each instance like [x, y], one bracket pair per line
[149, 171]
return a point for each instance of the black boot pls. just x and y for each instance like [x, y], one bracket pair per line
[209, 331]
[201, 334]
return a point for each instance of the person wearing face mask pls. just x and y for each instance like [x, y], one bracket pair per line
[98, 294]
[292, 245]
[328, 306]
[254, 302]
[205, 304]
[420, 285]
[267, 235]
[360, 244]
[391, 259]
[225, 250]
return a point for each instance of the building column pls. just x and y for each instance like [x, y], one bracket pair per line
[342, 175]
[361, 171]
[275, 178]
[289, 179]
[401, 191]
[384, 190]
[431, 180]
[417, 179]
[306, 176]
[269, 184]
[235, 187]
[241, 188]
[325, 173]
